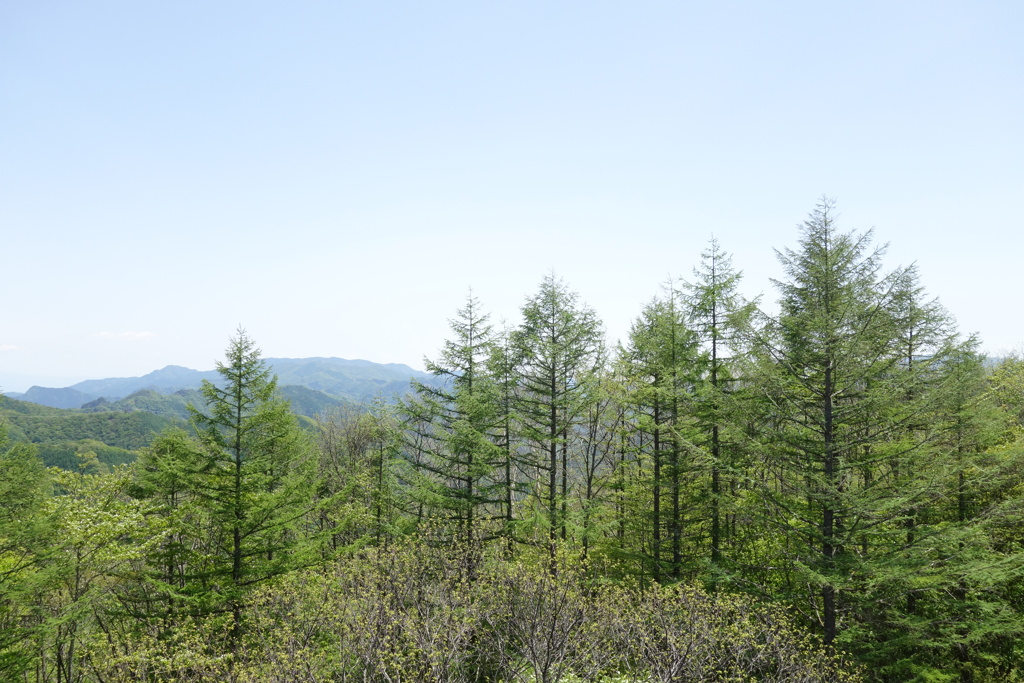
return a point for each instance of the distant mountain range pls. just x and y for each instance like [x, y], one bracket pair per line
[114, 418]
[311, 384]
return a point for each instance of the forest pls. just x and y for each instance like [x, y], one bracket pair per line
[825, 489]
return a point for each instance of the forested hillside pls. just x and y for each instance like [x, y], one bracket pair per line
[831, 491]
[121, 423]
[58, 436]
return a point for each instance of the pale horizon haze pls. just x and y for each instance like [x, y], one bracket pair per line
[336, 177]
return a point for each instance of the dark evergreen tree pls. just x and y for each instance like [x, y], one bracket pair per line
[174, 574]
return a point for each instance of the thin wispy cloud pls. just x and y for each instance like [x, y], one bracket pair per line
[125, 336]
[9, 347]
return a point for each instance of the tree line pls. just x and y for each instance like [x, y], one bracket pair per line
[830, 490]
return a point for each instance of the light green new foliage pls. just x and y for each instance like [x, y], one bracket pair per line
[99, 534]
[350, 474]
[1008, 386]
[24, 533]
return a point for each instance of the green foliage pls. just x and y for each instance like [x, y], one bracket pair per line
[24, 534]
[450, 428]
[410, 614]
[236, 496]
[173, 405]
[557, 353]
[843, 402]
[358, 459]
[720, 318]
[660, 364]
[1008, 387]
[844, 479]
[65, 455]
[98, 534]
[39, 424]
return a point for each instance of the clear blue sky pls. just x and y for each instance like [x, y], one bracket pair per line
[335, 176]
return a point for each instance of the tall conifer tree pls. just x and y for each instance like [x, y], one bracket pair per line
[840, 402]
[245, 484]
[662, 361]
[454, 427]
[718, 315]
[559, 348]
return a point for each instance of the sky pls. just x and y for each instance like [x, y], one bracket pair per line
[335, 177]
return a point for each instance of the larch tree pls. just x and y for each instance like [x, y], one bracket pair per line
[661, 358]
[718, 315]
[839, 405]
[248, 479]
[502, 369]
[454, 425]
[559, 349]
[963, 611]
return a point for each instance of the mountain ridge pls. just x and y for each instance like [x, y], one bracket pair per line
[355, 380]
